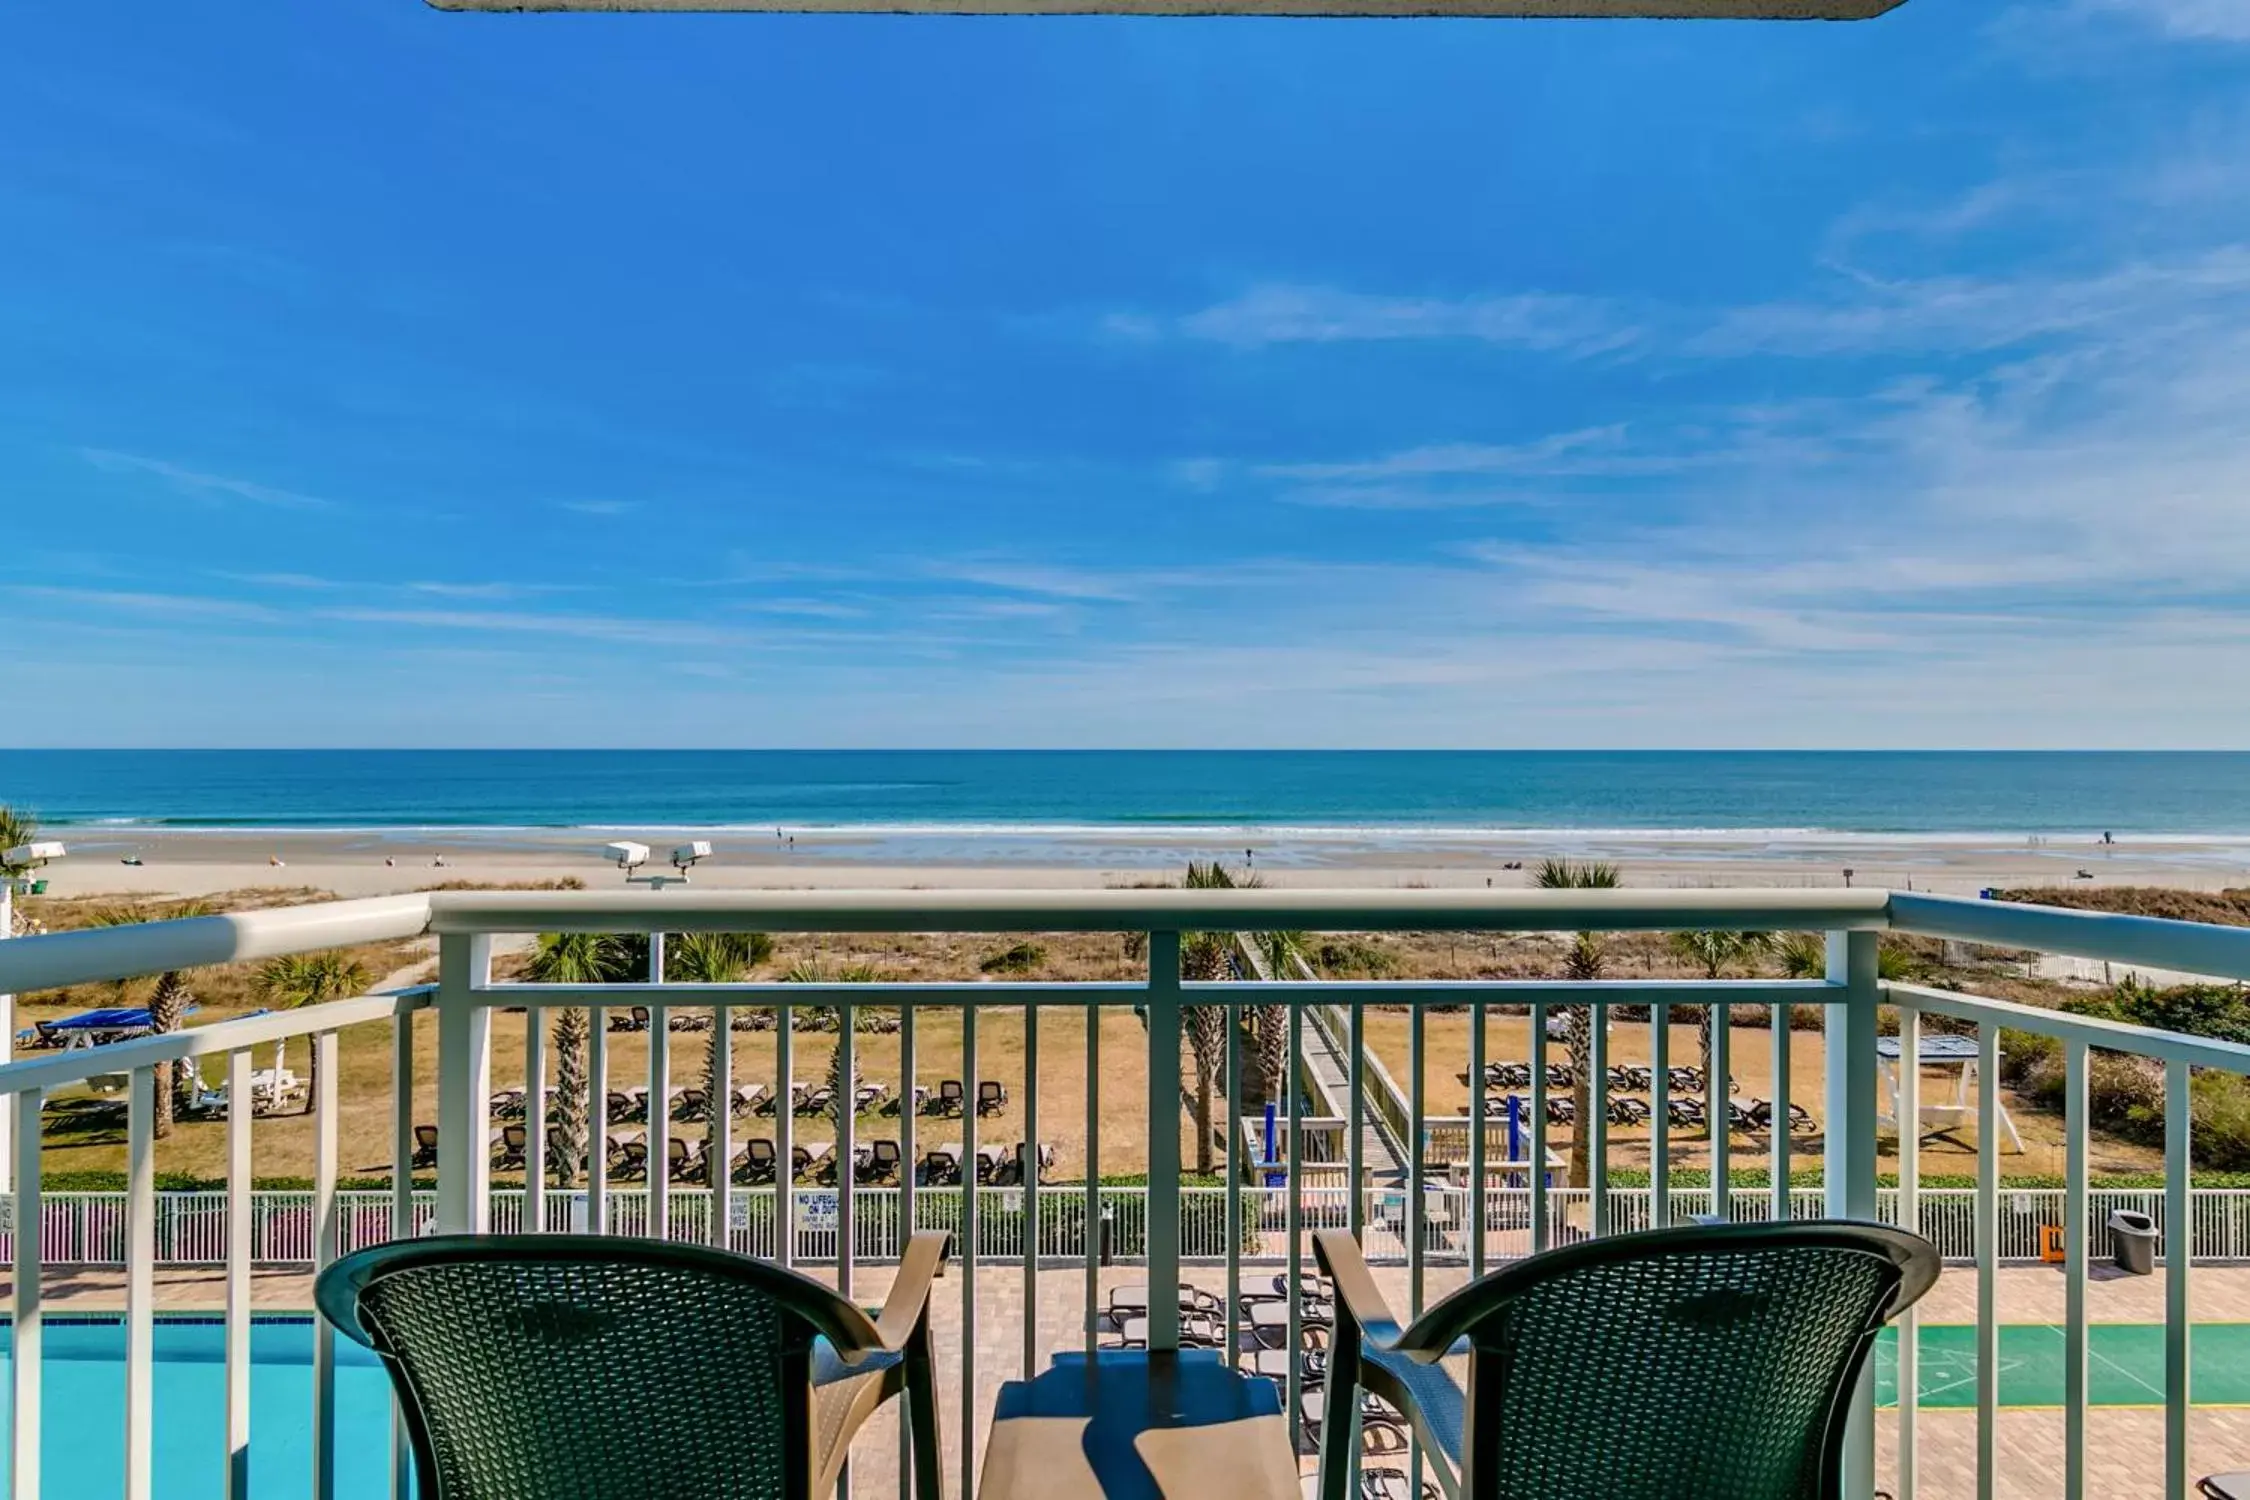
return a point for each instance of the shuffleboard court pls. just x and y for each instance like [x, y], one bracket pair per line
[2124, 1364]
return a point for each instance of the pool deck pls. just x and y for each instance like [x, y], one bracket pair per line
[2125, 1447]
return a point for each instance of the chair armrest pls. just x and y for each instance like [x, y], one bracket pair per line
[1427, 1340]
[908, 1303]
[1357, 1296]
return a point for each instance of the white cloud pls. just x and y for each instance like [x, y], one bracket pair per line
[1202, 474]
[1034, 578]
[306, 582]
[1981, 313]
[619, 629]
[176, 606]
[1540, 321]
[195, 482]
[599, 507]
[1552, 454]
[1405, 497]
[2186, 20]
[820, 609]
[496, 589]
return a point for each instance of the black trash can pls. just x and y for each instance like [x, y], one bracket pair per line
[2132, 1239]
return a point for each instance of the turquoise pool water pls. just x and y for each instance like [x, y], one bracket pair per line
[82, 1418]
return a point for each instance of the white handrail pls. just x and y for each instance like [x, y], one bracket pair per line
[2151, 942]
[89, 955]
[2116, 1036]
[1148, 910]
[77, 1064]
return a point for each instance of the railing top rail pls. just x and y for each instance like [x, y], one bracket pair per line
[90, 955]
[2115, 1036]
[790, 995]
[1149, 910]
[77, 1064]
[2152, 942]
[96, 954]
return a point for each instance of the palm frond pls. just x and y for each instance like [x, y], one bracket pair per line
[1564, 875]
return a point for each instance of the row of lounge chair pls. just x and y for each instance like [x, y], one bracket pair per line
[690, 1103]
[639, 1018]
[1632, 1078]
[1752, 1115]
[876, 1162]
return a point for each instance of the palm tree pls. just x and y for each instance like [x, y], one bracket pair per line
[715, 958]
[1587, 959]
[843, 1085]
[1714, 953]
[1802, 955]
[16, 827]
[300, 979]
[168, 1000]
[1205, 957]
[1282, 951]
[573, 958]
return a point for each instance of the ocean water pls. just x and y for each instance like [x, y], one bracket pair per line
[1425, 794]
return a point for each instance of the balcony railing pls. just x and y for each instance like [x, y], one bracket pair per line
[1050, 1282]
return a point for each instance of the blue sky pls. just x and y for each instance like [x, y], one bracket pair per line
[375, 376]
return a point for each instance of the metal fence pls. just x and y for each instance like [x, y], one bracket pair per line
[88, 1229]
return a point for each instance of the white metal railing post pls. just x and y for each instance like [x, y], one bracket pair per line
[241, 1244]
[658, 1134]
[1908, 1110]
[534, 1120]
[8, 1051]
[25, 1339]
[1235, 1184]
[1027, 1163]
[1987, 1241]
[1355, 1123]
[464, 1083]
[2179, 1236]
[968, 1159]
[1718, 1107]
[140, 1284]
[2076, 1057]
[718, 1145]
[1163, 1231]
[1091, 1231]
[1849, 1154]
[325, 1250]
[1540, 1186]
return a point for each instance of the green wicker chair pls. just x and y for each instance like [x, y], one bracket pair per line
[584, 1367]
[1684, 1364]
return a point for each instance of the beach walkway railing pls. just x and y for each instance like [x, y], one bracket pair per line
[1166, 1226]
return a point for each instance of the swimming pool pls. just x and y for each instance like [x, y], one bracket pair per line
[82, 1412]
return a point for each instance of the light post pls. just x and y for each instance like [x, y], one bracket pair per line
[32, 856]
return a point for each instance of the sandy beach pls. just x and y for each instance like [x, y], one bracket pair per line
[176, 862]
